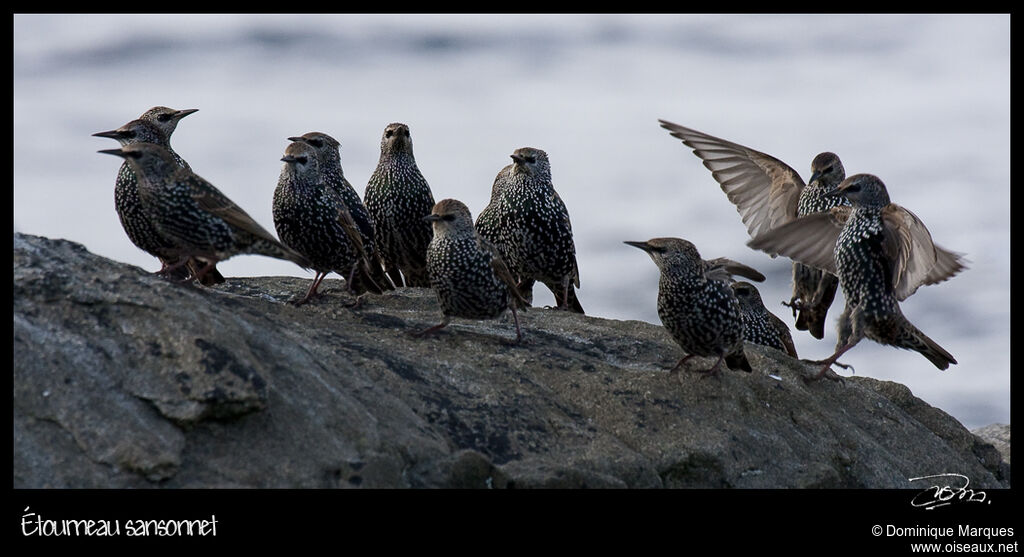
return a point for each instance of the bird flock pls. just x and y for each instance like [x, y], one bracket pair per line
[839, 231]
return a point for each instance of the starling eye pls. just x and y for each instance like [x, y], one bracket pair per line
[302, 160]
[448, 217]
[163, 117]
[828, 170]
[316, 143]
[389, 133]
[531, 159]
[853, 188]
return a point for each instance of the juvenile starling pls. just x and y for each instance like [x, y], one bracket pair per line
[191, 213]
[529, 224]
[467, 272]
[761, 326]
[329, 157]
[312, 219]
[154, 126]
[881, 252]
[696, 304]
[397, 197]
[769, 193]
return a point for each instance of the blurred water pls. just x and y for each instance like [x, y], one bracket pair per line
[921, 101]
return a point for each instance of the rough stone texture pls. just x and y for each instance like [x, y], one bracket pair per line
[999, 436]
[122, 379]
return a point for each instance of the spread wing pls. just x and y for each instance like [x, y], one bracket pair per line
[764, 189]
[810, 239]
[917, 261]
[724, 269]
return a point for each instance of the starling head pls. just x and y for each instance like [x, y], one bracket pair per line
[450, 215]
[531, 161]
[165, 119]
[827, 169]
[146, 159]
[318, 140]
[864, 190]
[300, 160]
[396, 139]
[136, 131]
[671, 254]
[747, 294]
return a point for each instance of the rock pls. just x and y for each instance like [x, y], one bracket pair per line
[123, 379]
[999, 436]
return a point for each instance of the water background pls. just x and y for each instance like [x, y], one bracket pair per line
[922, 101]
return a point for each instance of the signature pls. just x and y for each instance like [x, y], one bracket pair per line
[946, 491]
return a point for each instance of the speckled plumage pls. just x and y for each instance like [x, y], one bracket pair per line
[882, 253]
[312, 219]
[328, 151]
[397, 198]
[154, 126]
[467, 273]
[198, 219]
[529, 224]
[768, 193]
[695, 304]
[761, 326]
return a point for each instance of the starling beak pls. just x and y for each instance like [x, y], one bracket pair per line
[882, 253]
[528, 223]
[154, 126]
[696, 307]
[467, 273]
[768, 193]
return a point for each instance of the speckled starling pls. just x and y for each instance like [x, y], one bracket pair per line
[154, 126]
[529, 224]
[467, 272]
[329, 157]
[696, 304]
[881, 252]
[312, 219]
[769, 193]
[761, 326]
[397, 198]
[195, 216]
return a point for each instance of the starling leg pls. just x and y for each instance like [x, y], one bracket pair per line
[794, 303]
[435, 328]
[713, 370]
[515, 319]
[675, 369]
[311, 293]
[829, 361]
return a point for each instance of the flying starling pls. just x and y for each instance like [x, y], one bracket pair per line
[312, 219]
[529, 224]
[761, 326]
[696, 304]
[769, 193]
[154, 126]
[198, 220]
[329, 157]
[881, 252]
[397, 197]
[467, 272]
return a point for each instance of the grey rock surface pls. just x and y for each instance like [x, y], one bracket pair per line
[999, 436]
[123, 379]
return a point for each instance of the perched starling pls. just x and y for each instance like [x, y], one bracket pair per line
[761, 326]
[529, 224]
[397, 197]
[696, 304]
[881, 252]
[329, 156]
[467, 272]
[154, 126]
[199, 220]
[769, 193]
[312, 219]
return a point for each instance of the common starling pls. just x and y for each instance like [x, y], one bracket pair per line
[198, 220]
[397, 197]
[154, 126]
[529, 224]
[696, 304]
[761, 326]
[769, 193]
[881, 252]
[329, 156]
[467, 272]
[312, 219]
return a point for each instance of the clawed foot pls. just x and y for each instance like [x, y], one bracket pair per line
[795, 304]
